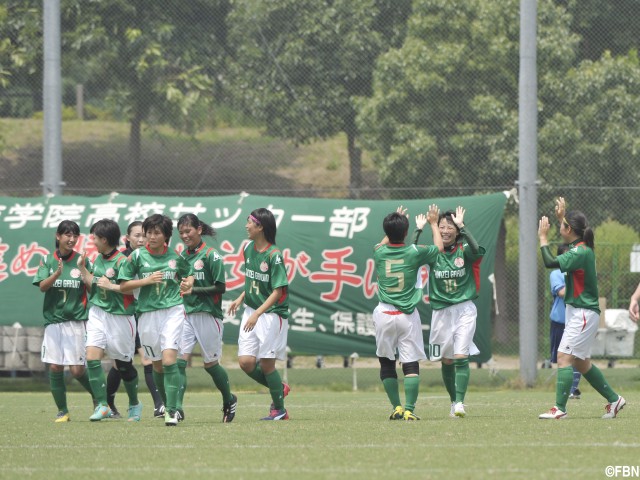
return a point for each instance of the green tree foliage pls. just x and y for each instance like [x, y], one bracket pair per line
[446, 101]
[300, 64]
[605, 26]
[590, 136]
[157, 59]
[614, 242]
[20, 57]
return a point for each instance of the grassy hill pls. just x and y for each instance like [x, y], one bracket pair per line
[220, 161]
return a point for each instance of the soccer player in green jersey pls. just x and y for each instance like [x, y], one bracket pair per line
[396, 319]
[454, 282]
[64, 308]
[111, 326]
[159, 271]
[203, 303]
[134, 239]
[582, 314]
[263, 330]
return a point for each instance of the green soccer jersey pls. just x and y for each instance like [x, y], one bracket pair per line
[110, 301]
[397, 268]
[454, 277]
[158, 296]
[67, 298]
[264, 272]
[579, 262]
[208, 269]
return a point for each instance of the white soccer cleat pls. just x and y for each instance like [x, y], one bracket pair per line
[612, 409]
[458, 410]
[554, 414]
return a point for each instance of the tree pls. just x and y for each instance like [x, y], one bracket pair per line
[299, 65]
[604, 26]
[591, 137]
[157, 59]
[444, 114]
[20, 48]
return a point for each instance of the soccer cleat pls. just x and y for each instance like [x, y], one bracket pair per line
[101, 411]
[397, 414]
[171, 418]
[62, 417]
[180, 415]
[115, 415]
[458, 410]
[229, 410]
[575, 395]
[410, 416]
[452, 411]
[135, 412]
[612, 409]
[554, 414]
[277, 415]
[159, 412]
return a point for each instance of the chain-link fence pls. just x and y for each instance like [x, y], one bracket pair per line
[344, 98]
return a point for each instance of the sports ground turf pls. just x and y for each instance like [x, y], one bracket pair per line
[331, 434]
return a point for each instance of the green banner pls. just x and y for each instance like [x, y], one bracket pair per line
[327, 247]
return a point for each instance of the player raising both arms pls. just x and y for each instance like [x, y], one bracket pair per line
[64, 308]
[582, 314]
[263, 331]
[453, 285]
[159, 270]
[203, 303]
[111, 327]
[396, 318]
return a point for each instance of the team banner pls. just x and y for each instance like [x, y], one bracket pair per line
[327, 246]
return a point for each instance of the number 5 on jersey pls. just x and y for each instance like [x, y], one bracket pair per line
[398, 275]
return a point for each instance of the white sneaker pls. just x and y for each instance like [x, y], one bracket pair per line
[452, 412]
[554, 414]
[171, 418]
[458, 410]
[612, 409]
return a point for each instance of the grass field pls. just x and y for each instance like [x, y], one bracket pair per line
[331, 434]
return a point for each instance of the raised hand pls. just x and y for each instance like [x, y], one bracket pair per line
[433, 213]
[421, 221]
[543, 228]
[402, 211]
[82, 259]
[560, 209]
[458, 217]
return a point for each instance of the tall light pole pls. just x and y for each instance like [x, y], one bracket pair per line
[528, 192]
[52, 101]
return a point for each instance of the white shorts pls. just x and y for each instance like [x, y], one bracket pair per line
[268, 339]
[115, 334]
[161, 330]
[63, 343]
[452, 330]
[204, 328]
[398, 331]
[580, 331]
